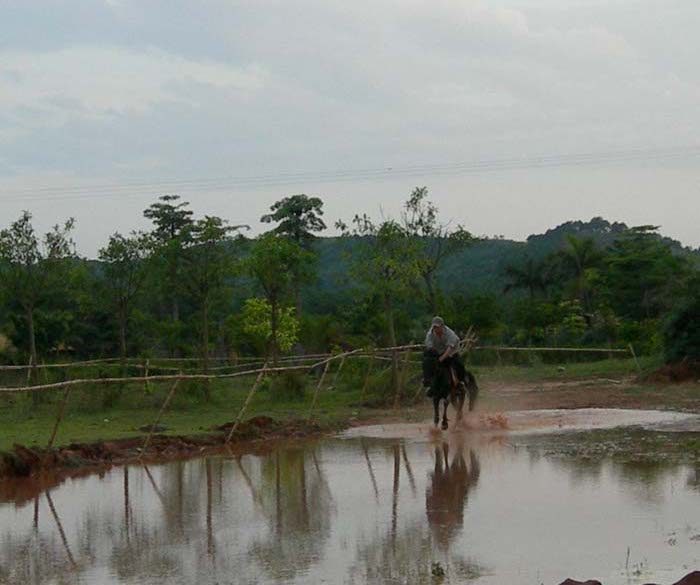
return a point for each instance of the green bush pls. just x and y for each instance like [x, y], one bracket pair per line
[682, 333]
[288, 386]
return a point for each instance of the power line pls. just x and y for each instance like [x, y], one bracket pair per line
[139, 189]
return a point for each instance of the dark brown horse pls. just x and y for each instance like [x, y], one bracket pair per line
[449, 389]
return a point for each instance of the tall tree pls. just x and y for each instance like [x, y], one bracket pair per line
[643, 276]
[582, 257]
[530, 275]
[273, 262]
[298, 217]
[124, 270]
[32, 267]
[208, 262]
[387, 264]
[437, 241]
[172, 221]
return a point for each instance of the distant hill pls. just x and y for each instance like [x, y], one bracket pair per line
[479, 268]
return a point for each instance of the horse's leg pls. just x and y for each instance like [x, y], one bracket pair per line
[436, 410]
[444, 416]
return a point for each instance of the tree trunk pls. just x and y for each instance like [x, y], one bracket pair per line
[432, 293]
[33, 378]
[274, 326]
[392, 342]
[122, 338]
[205, 347]
[297, 298]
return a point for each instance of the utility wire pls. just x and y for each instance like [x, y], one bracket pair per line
[180, 186]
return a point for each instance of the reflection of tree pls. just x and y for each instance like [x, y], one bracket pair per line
[298, 506]
[446, 495]
[694, 478]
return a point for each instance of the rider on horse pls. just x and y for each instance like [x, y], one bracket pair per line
[441, 350]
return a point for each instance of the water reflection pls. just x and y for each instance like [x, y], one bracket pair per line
[345, 511]
[447, 493]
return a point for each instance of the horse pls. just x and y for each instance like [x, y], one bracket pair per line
[449, 389]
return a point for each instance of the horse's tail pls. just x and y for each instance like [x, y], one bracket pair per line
[472, 388]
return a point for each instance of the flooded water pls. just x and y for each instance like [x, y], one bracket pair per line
[376, 505]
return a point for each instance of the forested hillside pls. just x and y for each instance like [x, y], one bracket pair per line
[199, 286]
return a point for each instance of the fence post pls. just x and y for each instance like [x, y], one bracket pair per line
[401, 378]
[146, 387]
[318, 388]
[59, 417]
[636, 361]
[160, 415]
[337, 373]
[247, 401]
[367, 376]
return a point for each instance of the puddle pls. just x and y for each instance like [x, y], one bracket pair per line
[542, 421]
[377, 505]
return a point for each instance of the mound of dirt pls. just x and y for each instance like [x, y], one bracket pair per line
[684, 371]
[690, 579]
[23, 461]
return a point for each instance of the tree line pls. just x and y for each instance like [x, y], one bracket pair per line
[201, 286]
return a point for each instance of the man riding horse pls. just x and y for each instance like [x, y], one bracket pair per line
[444, 374]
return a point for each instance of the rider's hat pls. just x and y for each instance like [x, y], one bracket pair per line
[437, 321]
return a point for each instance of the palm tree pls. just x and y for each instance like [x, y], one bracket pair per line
[530, 275]
[581, 257]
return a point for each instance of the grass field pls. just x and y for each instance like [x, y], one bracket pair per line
[90, 418]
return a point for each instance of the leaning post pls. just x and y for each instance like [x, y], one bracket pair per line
[636, 361]
[59, 418]
[318, 388]
[367, 376]
[160, 415]
[246, 403]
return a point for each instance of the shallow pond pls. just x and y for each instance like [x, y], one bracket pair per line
[377, 505]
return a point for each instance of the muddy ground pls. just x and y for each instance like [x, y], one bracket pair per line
[495, 397]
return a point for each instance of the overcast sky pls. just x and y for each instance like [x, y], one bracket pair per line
[104, 105]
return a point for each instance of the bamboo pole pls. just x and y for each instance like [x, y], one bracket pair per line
[399, 379]
[636, 361]
[337, 373]
[367, 376]
[59, 417]
[246, 403]
[146, 387]
[160, 415]
[318, 388]
[400, 375]
[61, 532]
[181, 376]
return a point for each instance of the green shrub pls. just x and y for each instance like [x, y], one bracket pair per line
[682, 333]
[288, 386]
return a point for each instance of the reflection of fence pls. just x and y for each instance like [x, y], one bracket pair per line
[178, 370]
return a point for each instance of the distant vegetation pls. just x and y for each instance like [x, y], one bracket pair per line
[200, 286]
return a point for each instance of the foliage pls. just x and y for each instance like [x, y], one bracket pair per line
[172, 223]
[34, 270]
[682, 333]
[299, 217]
[124, 270]
[273, 262]
[257, 322]
[386, 265]
[435, 241]
[642, 274]
[288, 386]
